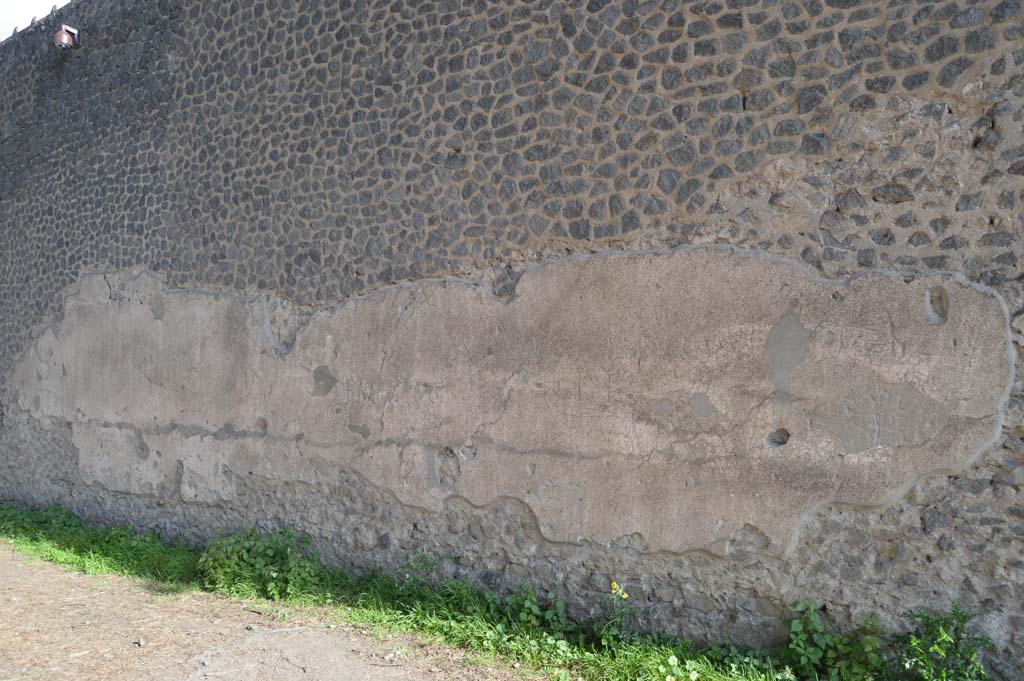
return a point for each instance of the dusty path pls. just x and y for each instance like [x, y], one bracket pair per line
[58, 624]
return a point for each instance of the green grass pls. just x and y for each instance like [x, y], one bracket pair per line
[524, 628]
[58, 536]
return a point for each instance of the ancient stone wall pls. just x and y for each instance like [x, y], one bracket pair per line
[716, 299]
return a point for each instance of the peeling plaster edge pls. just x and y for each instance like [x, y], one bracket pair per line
[903, 492]
[478, 280]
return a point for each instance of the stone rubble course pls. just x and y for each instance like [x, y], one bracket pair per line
[292, 161]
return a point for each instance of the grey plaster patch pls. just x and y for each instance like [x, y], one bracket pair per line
[787, 345]
[702, 406]
[323, 381]
[575, 380]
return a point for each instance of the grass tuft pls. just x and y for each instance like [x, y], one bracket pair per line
[56, 535]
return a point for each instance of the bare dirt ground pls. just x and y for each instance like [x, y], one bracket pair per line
[59, 624]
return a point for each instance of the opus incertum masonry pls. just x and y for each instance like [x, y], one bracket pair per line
[717, 299]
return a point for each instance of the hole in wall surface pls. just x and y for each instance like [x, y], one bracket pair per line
[777, 438]
[936, 305]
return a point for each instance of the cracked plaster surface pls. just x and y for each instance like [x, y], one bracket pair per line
[614, 396]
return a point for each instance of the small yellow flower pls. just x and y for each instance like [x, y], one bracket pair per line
[618, 591]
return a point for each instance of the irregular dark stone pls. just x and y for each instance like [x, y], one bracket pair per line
[721, 171]
[781, 146]
[759, 100]
[863, 14]
[747, 79]
[882, 84]
[733, 103]
[916, 80]
[731, 20]
[1004, 11]
[866, 257]
[788, 126]
[809, 98]
[882, 237]
[969, 202]
[933, 519]
[668, 179]
[769, 30]
[698, 28]
[819, 39]
[967, 17]
[579, 229]
[850, 38]
[863, 103]
[758, 57]
[838, 80]
[891, 193]
[989, 140]
[833, 220]
[684, 154]
[783, 68]
[952, 71]
[943, 47]
[996, 239]
[906, 220]
[814, 144]
[850, 201]
[900, 59]
[568, 25]
[919, 239]
[687, 189]
[747, 161]
[630, 221]
[940, 225]
[980, 40]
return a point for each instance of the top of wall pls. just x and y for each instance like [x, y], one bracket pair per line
[323, 149]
